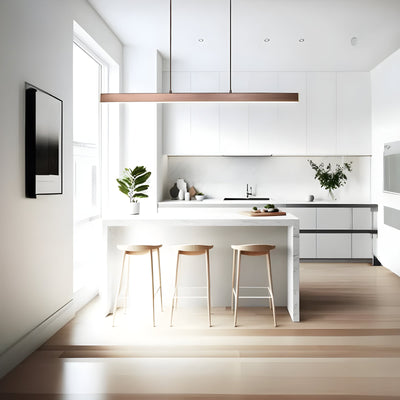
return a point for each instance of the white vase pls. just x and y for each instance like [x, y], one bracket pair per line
[182, 185]
[135, 208]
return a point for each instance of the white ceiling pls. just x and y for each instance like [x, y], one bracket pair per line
[326, 26]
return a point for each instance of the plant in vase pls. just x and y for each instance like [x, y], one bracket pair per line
[199, 196]
[331, 178]
[133, 184]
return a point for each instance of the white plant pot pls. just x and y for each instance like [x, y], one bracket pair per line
[135, 208]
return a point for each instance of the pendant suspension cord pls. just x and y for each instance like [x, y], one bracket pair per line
[170, 46]
[230, 46]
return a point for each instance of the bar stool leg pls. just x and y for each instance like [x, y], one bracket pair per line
[233, 278]
[268, 283]
[208, 286]
[237, 285]
[270, 286]
[177, 288]
[119, 289]
[128, 269]
[159, 277]
[176, 284]
[152, 285]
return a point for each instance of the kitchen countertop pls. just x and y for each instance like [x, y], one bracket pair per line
[215, 203]
[226, 218]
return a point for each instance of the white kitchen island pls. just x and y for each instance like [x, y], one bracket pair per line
[221, 229]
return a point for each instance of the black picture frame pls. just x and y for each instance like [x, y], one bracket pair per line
[43, 142]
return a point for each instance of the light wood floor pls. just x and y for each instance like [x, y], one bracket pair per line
[346, 347]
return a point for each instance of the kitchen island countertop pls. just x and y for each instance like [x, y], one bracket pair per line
[225, 218]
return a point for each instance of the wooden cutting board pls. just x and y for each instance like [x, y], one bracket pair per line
[264, 214]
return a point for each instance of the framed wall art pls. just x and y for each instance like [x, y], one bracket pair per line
[43, 142]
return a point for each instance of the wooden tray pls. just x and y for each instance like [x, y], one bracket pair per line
[264, 214]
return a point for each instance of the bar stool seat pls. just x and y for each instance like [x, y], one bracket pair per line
[192, 250]
[251, 250]
[135, 250]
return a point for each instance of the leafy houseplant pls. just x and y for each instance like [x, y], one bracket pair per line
[133, 184]
[330, 178]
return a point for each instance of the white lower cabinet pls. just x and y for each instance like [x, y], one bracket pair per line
[361, 245]
[308, 245]
[307, 216]
[318, 242]
[362, 218]
[334, 245]
[334, 218]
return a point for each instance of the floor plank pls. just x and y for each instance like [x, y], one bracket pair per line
[347, 346]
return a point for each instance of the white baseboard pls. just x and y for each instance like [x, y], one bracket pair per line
[35, 338]
[84, 297]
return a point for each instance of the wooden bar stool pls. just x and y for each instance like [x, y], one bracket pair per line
[135, 250]
[192, 250]
[251, 250]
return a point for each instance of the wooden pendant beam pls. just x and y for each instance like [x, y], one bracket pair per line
[270, 97]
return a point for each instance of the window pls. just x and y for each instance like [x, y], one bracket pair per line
[95, 159]
[87, 135]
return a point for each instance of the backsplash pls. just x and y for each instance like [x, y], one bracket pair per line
[282, 178]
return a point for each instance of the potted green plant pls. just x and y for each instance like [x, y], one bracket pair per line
[199, 196]
[331, 178]
[133, 184]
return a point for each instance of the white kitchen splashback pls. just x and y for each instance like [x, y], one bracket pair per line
[281, 178]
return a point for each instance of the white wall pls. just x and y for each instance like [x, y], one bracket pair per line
[141, 141]
[282, 178]
[385, 86]
[36, 234]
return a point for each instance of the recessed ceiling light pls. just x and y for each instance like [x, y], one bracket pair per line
[354, 41]
[267, 39]
[301, 40]
[201, 40]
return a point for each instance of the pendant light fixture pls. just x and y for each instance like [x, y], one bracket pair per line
[221, 97]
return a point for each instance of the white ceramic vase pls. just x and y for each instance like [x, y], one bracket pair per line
[135, 208]
[182, 185]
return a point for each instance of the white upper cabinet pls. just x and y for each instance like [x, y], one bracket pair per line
[292, 117]
[263, 129]
[234, 129]
[204, 133]
[204, 118]
[353, 113]
[176, 119]
[263, 118]
[176, 129]
[321, 113]
[332, 117]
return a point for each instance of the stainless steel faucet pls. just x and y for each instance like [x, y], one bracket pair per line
[249, 191]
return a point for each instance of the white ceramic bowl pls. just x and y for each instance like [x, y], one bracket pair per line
[199, 197]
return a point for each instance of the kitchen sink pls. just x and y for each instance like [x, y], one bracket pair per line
[246, 198]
